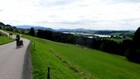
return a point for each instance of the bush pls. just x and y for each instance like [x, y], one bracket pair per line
[133, 55]
[0, 27]
[110, 46]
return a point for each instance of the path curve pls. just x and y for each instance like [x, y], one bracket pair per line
[12, 60]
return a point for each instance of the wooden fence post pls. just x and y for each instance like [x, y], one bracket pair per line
[48, 73]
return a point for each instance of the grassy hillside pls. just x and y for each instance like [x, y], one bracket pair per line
[74, 62]
[5, 39]
[117, 40]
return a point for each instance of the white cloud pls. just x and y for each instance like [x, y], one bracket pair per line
[91, 14]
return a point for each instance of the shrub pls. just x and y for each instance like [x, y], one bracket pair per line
[133, 55]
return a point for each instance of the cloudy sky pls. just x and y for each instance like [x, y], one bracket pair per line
[89, 14]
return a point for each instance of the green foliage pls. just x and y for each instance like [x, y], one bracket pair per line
[118, 40]
[0, 27]
[66, 60]
[5, 39]
[42, 58]
[32, 32]
[133, 54]
[136, 38]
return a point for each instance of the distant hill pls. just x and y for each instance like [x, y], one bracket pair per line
[75, 30]
[35, 27]
[94, 31]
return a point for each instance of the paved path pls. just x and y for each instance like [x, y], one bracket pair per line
[12, 60]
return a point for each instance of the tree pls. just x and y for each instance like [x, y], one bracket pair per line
[48, 35]
[39, 33]
[136, 39]
[0, 27]
[2, 24]
[32, 32]
[133, 54]
[110, 47]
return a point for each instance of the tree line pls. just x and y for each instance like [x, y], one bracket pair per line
[128, 48]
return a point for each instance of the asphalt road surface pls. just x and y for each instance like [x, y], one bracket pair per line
[12, 60]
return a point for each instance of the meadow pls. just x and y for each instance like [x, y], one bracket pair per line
[5, 39]
[68, 61]
[118, 40]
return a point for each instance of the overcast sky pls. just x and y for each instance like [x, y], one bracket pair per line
[89, 14]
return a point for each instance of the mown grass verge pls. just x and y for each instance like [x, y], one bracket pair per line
[5, 39]
[42, 58]
[68, 61]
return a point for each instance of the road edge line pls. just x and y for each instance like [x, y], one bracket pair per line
[27, 66]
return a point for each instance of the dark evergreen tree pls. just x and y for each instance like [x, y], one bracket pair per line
[110, 46]
[39, 33]
[32, 32]
[136, 39]
[2, 24]
[133, 54]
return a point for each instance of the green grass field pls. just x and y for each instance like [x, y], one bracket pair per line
[118, 40]
[5, 39]
[73, 62]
